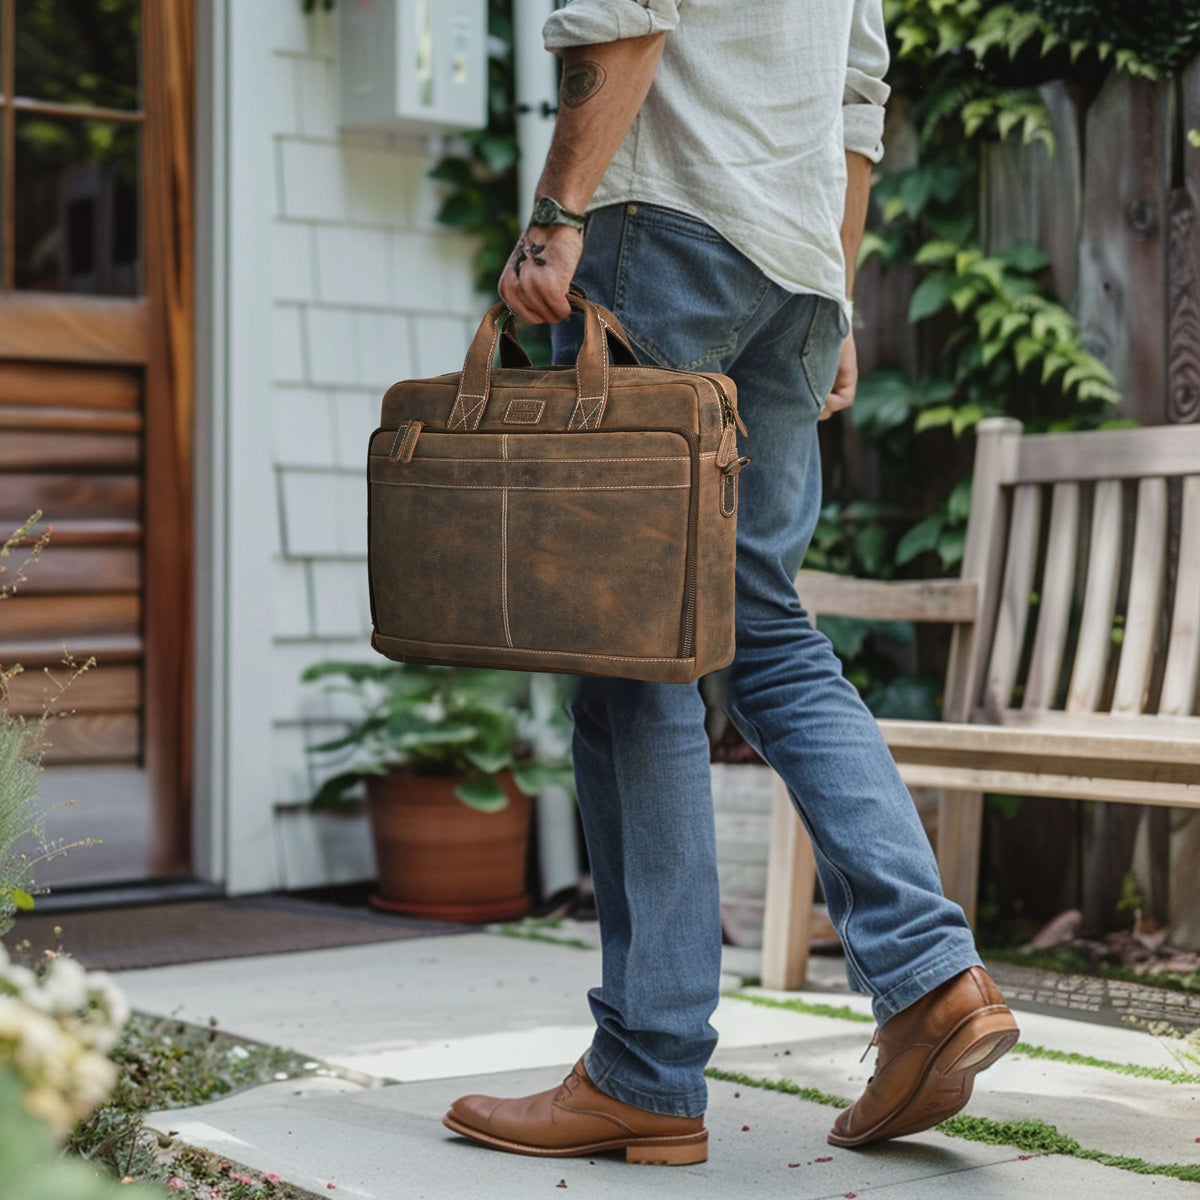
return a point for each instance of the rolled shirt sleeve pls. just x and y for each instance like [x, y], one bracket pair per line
[589, 22]
[865, 93]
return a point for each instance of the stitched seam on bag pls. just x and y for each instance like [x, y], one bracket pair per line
[544, 461]
[538, 487]
[530, 650]
[504, 563]
[460, 407]
[584, 418]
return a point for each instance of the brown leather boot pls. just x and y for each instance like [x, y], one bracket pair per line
[576, 1118]
[929, 1055]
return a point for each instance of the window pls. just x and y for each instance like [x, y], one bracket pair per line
[71, 120]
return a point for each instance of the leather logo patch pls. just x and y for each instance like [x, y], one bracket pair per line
[524, 412]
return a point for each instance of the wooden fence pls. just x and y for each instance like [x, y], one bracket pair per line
[1116, 206]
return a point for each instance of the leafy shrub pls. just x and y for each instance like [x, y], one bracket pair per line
[1161, 33]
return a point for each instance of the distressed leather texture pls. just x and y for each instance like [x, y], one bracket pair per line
[577, 519]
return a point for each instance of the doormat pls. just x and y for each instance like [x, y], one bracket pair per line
[1109, 1001]
[156, 935]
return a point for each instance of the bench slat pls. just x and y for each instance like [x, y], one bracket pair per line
[957, 739]
[1128, 724]
[1183, 651]
[1054, 612]
[1109, 454]
[949, 600]
[1100, 599]
[1145, 598]
[1068, 787]
[1014, 599]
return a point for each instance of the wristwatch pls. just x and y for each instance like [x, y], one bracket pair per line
[549, 212]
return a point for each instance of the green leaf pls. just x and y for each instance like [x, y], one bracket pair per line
[965, 418]
[931, 296]
[457, 172]
[934, 418]
[489, 763]
[532, 778]
[22, 899]
[1026, 257]
[482, 794]
[950, 546]
[846, 633]
[920, 538]
[499, 153]
[959, 503]
[937, 251]
[1026, 350]
[992, 269]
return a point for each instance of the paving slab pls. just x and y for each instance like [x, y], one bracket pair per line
[426, 1017]
[1142, 1118]
[388, 1143]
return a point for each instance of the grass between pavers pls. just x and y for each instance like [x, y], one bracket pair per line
[539, 930]
[1031, 1137]
[164, 1063]
[1027, 1049]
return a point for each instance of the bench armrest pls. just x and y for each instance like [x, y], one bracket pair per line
[936, 600]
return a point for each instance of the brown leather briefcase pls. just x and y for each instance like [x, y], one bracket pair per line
[578, 519]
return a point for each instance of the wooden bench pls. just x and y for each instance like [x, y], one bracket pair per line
[1075, 651]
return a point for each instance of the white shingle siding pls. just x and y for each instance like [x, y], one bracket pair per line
[365, 289]
[301, 427]
[292, 600]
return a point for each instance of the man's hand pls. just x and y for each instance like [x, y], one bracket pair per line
[845, 383]
[539, 272]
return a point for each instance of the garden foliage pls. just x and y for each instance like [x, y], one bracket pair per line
[461, 722]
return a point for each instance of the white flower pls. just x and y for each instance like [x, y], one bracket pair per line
[22, 979]
[92, 1081]
[65, 986]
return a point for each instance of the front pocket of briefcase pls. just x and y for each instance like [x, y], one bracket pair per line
[568, 543]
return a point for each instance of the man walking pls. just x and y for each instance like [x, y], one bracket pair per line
[723, 155]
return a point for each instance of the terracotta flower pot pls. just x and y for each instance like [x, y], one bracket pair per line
[438, 858]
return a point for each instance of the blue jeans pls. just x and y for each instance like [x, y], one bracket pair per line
[687, 298]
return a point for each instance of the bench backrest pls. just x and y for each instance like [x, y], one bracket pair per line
[1086, 550]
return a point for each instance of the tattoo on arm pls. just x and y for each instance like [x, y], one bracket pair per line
[580, 82]
[525, 251]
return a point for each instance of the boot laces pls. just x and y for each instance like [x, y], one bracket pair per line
[870, 1046]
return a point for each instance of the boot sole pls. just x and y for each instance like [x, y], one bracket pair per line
[682, 1151]
[945, 1085]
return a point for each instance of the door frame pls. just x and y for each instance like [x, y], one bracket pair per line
[236, 505]
[154, 333]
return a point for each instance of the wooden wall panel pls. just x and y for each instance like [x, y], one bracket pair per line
[1122, 251]
[75, 387]
[100, 689]
[70, 619]
[67, 496]
[57, 451]
[1183, 269]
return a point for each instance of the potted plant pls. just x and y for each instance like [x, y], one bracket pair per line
[450, 757]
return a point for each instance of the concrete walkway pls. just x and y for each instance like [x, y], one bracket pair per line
[406, 1026]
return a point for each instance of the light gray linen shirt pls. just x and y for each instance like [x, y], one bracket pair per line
[748, 118]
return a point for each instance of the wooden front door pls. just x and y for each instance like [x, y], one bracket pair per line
[95, 414]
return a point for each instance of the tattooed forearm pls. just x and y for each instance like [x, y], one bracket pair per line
[580, 82]
[526, 250]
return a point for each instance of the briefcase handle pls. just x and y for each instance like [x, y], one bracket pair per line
[602, 333]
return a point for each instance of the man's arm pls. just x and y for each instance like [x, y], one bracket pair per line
[863, 100]
[854, 222]
[603, 86]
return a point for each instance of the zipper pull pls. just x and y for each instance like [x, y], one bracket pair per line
[406, 442]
